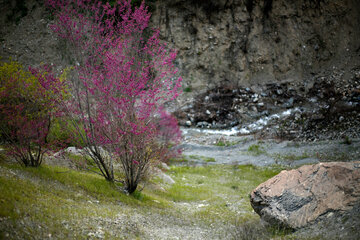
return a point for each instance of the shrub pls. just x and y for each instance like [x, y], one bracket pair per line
[124, 76]
[29, 100]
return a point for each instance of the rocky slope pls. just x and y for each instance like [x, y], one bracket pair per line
[261, 41]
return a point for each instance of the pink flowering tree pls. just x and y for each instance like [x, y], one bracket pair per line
[123, 76]
[29, 101]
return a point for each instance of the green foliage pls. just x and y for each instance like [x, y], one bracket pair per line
[188, 89]
[225, 143]
[209, 159]
[63, 133]
[256, 150]
[28, 102]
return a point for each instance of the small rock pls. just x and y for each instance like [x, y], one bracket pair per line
[165, 166]
[203, 124]
[165, 178]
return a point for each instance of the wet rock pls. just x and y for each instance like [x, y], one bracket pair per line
[302, 197]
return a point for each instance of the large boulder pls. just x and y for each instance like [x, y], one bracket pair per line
[322, 195]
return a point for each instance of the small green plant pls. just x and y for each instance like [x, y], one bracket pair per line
[221, 142]
[209, 159]
[188, 89]
[256, 150]
[347, 140]
[64, 134]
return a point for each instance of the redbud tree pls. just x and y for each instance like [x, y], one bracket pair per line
[29, 101]
[124, 75]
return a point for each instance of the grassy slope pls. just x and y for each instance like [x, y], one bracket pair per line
[61, 203]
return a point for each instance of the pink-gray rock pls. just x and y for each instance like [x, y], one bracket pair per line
[325, 195]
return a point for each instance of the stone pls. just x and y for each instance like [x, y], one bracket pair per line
[300, 198]
[165, 166]
[166, 178]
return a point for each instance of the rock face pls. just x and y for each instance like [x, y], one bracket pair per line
[260, 41]
[312, 195]
[242, 42]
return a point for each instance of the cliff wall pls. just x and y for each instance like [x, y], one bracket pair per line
[254, 42]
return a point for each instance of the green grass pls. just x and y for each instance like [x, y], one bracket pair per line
[63, 131]
[65, 202]
[224, 189]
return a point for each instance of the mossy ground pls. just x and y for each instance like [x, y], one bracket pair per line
[61, 203]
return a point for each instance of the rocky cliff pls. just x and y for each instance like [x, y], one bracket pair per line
[251, 42]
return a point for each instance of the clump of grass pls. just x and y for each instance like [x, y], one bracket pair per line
[209, 159]
[225, 143]
[256, 150]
